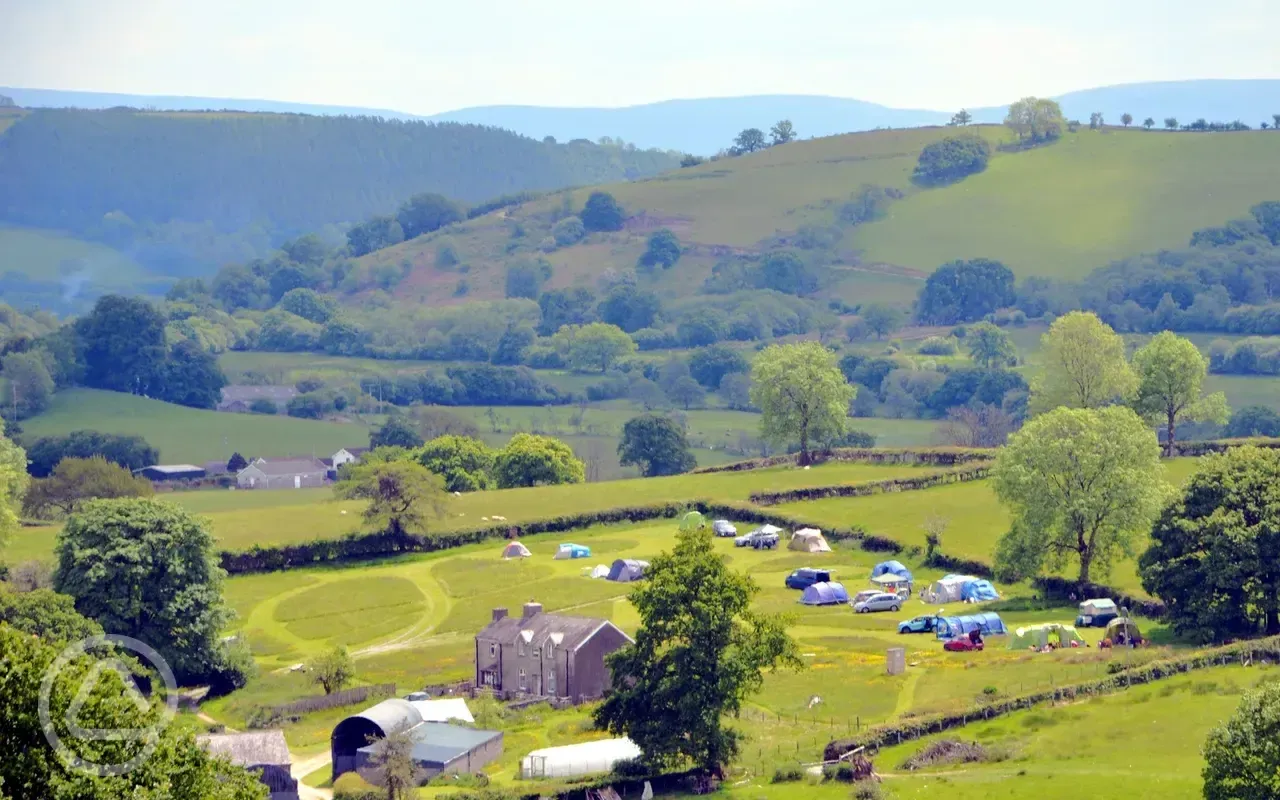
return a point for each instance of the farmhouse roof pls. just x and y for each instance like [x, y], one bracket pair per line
[247, 394]
[288, 466]
[248, 749]
[355, 451]
[540, 627]
[171, 468]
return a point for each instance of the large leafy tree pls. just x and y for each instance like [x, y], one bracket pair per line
[964, 291]
[96, 698]
[1084, 365]
[1081, 485]
[130, 452]
[124, 344]
[148, 569]
[1171, 373]
[662, 250]
[1214, 557]
[403, 495]
[1241, 759]
[749, 141]
[989, 346]
[192, 377]
[709, 365]
[532, 460]
[1253, 421]
[950, 159]
[802, 395]
[782, 132]
[47, 614]
[427, 212]
[699, 653]
[594, 347]
[76, 481]
[465, 463]
[332, 669]
[602, 213]
[29, 384]
[630, 308]
[656, 444]
[13, 485]
[397, 431]
[1036, 119]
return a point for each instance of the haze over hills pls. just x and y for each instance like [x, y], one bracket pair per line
[705, 125]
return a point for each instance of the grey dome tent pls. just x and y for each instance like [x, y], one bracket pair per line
[625, 570]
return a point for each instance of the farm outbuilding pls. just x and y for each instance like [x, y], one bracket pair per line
[569, 550]
[571, 761]
[437, 747]
[625, 570]
[988, 624]
[171, 472]
[264, 752]
[825, 594]
[515, 550]
[809, 540]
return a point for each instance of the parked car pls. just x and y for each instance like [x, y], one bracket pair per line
[921, 624]
[805, 577]
[880, 601]
[764, 540]
[865, 594]
[723, 527]
[962, 644]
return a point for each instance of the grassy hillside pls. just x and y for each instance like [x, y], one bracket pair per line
[1059, 211]
[44, 255]
[191, 435]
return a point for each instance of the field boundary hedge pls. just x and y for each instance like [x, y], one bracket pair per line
[925, 456]
[1200, 448]
[368, 546]
[908, 484]
[907, 730]
[346, 697]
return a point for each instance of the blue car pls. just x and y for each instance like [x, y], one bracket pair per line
[805, 577]
[921, 624]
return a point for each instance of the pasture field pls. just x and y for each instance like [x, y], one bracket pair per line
[410, 620]
[54, 256]
[190, 435]
[240, 521]
[1092, 197]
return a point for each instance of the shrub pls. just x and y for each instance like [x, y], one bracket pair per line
[952, 159]
[350, 786]
[788, 774]
[568, 231]
[937, 346]
[631, 768]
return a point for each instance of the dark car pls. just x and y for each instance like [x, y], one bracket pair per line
[805, 577]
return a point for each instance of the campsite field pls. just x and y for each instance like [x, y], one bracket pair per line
[410, 621]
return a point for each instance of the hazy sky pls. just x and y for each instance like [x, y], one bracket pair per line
[426, 56]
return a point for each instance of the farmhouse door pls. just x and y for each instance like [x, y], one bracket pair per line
[551, 681]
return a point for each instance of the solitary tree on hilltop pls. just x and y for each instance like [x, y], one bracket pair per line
[1148, 123]
[1095, 120]
[961, 118]
[749, 141]
[1126, 119]
[402, 495]
[1171, 123]
[782, 132]
[1276, 117]
[602, 213]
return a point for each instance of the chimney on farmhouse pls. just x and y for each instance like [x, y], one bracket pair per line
[532, 609]
[499, 613]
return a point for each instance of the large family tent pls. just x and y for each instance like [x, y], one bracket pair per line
[825, 594]
[948, 589]
[1123, 630]
[988, 624]
[572, 551]
[894, 568]
[625, 570]
[1037, 636]
[978, 591]
[515, 550]
[809, 540]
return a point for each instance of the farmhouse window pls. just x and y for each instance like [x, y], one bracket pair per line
[524, 681]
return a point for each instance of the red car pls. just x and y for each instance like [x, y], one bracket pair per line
[962, 645]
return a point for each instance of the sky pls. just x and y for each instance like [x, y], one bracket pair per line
[428, 56]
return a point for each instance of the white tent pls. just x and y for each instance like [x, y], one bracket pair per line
[577, 759]
[809, 540]
[515, 550]
[947, 589]
[599, 571]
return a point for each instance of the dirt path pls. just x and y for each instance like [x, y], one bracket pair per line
[305, 767]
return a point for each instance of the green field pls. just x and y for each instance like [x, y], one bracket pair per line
[188, 435]
[53, 256]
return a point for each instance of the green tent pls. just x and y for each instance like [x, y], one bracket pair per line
[1038, 636]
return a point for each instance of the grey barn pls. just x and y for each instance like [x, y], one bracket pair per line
[265, 752]
[283, 473]
[438, 747]
[239, 398]
[546, 655]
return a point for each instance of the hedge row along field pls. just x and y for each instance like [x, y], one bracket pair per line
[959, 475]
[896, 733]
[928, 456]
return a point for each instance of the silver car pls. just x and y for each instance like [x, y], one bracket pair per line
[880, 601]
[723, 527]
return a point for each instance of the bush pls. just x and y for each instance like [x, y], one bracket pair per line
[654, 339]
[788, 774]
[632, 768]
[350, 786]
[867, 790]
[951, 159]
[937, 346]
[568, 231]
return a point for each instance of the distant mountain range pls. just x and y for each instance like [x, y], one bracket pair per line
[707, 125]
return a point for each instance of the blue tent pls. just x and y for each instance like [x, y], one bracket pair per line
[568, 550]
[825, 594]
[891, 568]
[978, 591]
[988, 624]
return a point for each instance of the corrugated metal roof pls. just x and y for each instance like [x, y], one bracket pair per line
[438, 743]
[248, 749]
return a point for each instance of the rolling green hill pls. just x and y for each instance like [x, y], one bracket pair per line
[1061, 211]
